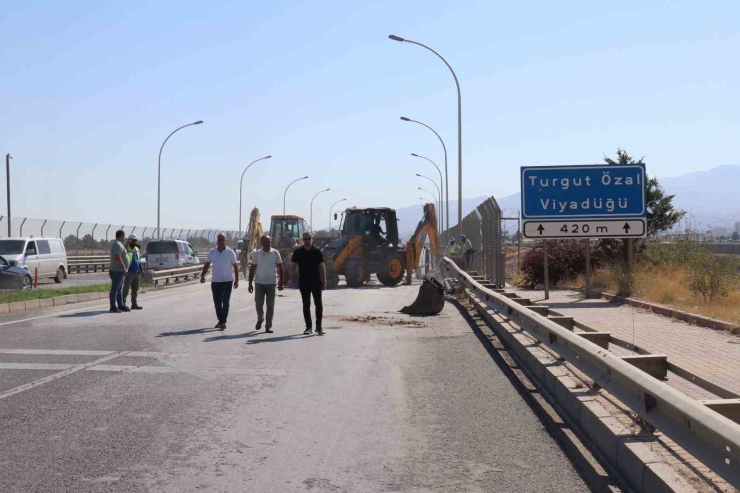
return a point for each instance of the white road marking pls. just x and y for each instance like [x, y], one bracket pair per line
[111, 368]
[63, 373]
[133, 369]
[147, 354]
[245, 309]
[56, 352]
[35, 366]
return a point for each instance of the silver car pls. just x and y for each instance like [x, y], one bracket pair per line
[42, 256]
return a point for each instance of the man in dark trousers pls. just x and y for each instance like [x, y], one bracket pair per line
[311, 280]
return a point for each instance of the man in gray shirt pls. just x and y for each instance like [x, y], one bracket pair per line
[117, 271]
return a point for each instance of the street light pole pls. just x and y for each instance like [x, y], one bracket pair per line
[447, 183]
[8, 157]
[312, 206]
[459, 126]
[330, 211]
[441, 187]
[241, 180]
[430, 193]
[159, 172]
[438, 192]
[286, 190]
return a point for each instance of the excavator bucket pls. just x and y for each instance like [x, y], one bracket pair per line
[430, 300]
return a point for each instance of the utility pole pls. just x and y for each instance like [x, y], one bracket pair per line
[8, 157]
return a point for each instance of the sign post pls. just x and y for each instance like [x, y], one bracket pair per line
[584, 202]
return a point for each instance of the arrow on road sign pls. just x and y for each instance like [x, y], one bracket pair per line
[540, 229]
[626, 227]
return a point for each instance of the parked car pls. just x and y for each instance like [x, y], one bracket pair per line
[43, 254]
[170, 254]
[12, 277]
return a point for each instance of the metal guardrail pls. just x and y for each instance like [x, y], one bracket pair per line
[157, 276]
[707, 435]
[87, 263]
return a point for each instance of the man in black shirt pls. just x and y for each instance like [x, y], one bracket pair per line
[311, 280]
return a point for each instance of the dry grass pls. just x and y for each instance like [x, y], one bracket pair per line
[667, 285]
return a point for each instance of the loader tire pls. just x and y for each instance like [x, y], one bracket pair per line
[392, 270]
[354, 273]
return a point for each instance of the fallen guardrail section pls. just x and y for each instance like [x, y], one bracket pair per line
[165, 276]
[705, 432]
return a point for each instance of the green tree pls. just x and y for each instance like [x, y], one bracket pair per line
[661, 215]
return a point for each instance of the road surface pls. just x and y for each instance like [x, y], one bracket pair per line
[157, 400]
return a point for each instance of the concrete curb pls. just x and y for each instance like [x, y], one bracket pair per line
[628, 453]
[69, 299]
[666, 311]
[24, 306]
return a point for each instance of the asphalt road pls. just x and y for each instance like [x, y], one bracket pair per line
[157, 400]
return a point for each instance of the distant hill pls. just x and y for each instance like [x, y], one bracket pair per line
[711, 196]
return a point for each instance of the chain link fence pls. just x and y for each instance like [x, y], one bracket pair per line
[483, 227]
[94, 238]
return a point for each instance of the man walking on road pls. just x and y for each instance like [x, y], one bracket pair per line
[132, 277]
[117, 272]
[225, 273]
[311, 280]
[265, 263]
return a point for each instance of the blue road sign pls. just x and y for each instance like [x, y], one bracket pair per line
[583, 192]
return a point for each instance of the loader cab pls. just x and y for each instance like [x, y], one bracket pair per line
[378, 226]
[284, 228]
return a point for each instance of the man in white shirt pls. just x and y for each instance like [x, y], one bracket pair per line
[225, 272]
[265, 263]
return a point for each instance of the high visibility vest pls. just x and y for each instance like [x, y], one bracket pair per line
[468, 245]
[131, 253]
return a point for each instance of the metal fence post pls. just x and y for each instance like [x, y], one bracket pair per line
[143, 235]
[92, 244]
[60, 230]
[161, 235]
[78, 237]
[24, 222]
[42, 227]
[106, 233]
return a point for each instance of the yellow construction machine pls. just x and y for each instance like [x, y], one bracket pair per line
[369, 244]
[286, 232]
[251, 241]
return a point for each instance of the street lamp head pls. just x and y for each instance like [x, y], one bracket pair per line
[417, 174]
[267, 157]
[327, 189]
[304, 177]
[414, 154]
[198, 122]
[396, 38]
[405, 119]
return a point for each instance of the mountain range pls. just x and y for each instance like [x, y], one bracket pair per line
[710, 198]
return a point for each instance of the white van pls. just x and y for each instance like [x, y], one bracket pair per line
[47, 255]
[170, 254]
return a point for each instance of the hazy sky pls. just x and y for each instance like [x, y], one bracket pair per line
[90, 89]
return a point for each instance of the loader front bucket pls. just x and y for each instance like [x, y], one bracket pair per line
[430, 300]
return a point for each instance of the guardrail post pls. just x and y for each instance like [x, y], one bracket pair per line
[24, 222]
[42, 227]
